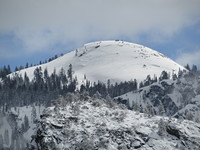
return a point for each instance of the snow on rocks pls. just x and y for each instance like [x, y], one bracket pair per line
[91, 123]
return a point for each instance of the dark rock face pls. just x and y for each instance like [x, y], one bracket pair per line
[173, 131]
[121, 101]
[168, 88]
[157, 90]
[158, 95]
[169, 105]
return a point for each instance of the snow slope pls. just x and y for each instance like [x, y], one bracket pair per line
[114, 60]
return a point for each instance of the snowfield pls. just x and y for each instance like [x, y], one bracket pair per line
[114, 60]
[80, 122]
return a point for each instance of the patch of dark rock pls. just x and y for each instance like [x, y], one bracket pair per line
[58, 140]
[72, 118]
[173, 131]
[168, 88]
[57, 126]
[45, 116]
[97, 46]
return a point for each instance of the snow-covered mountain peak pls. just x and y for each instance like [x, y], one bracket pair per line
[114, 60]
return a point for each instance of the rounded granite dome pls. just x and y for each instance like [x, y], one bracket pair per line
[114, 60]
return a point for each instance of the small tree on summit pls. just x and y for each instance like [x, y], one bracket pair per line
[194, 68]
[187, 67]
[38, 78]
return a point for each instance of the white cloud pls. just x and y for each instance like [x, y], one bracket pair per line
[191, 58]
[42, 24]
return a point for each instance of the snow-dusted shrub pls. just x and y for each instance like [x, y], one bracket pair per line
[97, 95]
[84, 96]
[121, 116]
[101, 131]
[85, 144]
[96, 103]
[161, 127]
[76, 109]
[103, 143]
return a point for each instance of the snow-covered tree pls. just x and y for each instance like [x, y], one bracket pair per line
[164, 75]
[33, 113]
[6, 137]
[161, 127]
[161, 109]
[26, 123]
[70, 73]
[149, 110]
[1, 141]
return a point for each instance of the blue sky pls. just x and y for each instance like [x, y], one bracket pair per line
[34, 30]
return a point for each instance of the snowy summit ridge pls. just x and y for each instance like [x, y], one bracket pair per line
[114, 60]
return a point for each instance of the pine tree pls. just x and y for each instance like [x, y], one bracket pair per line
[1, 141]
[26, 123]
[70, 73]
[141, 84]
[187, 67]
[149, 110]
[194, 68]
[180, 73]
[26, 81]
[38, 79]
[27, 65]
[174, 77]
[148, 81]
[53, 80]
[6, 137]
[97, 95]
[16, 69]
[63, 77]
[155, 79]
[33, 113]
[163, 76]
[47, 83]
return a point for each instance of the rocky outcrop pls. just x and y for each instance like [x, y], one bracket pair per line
[104, 127]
